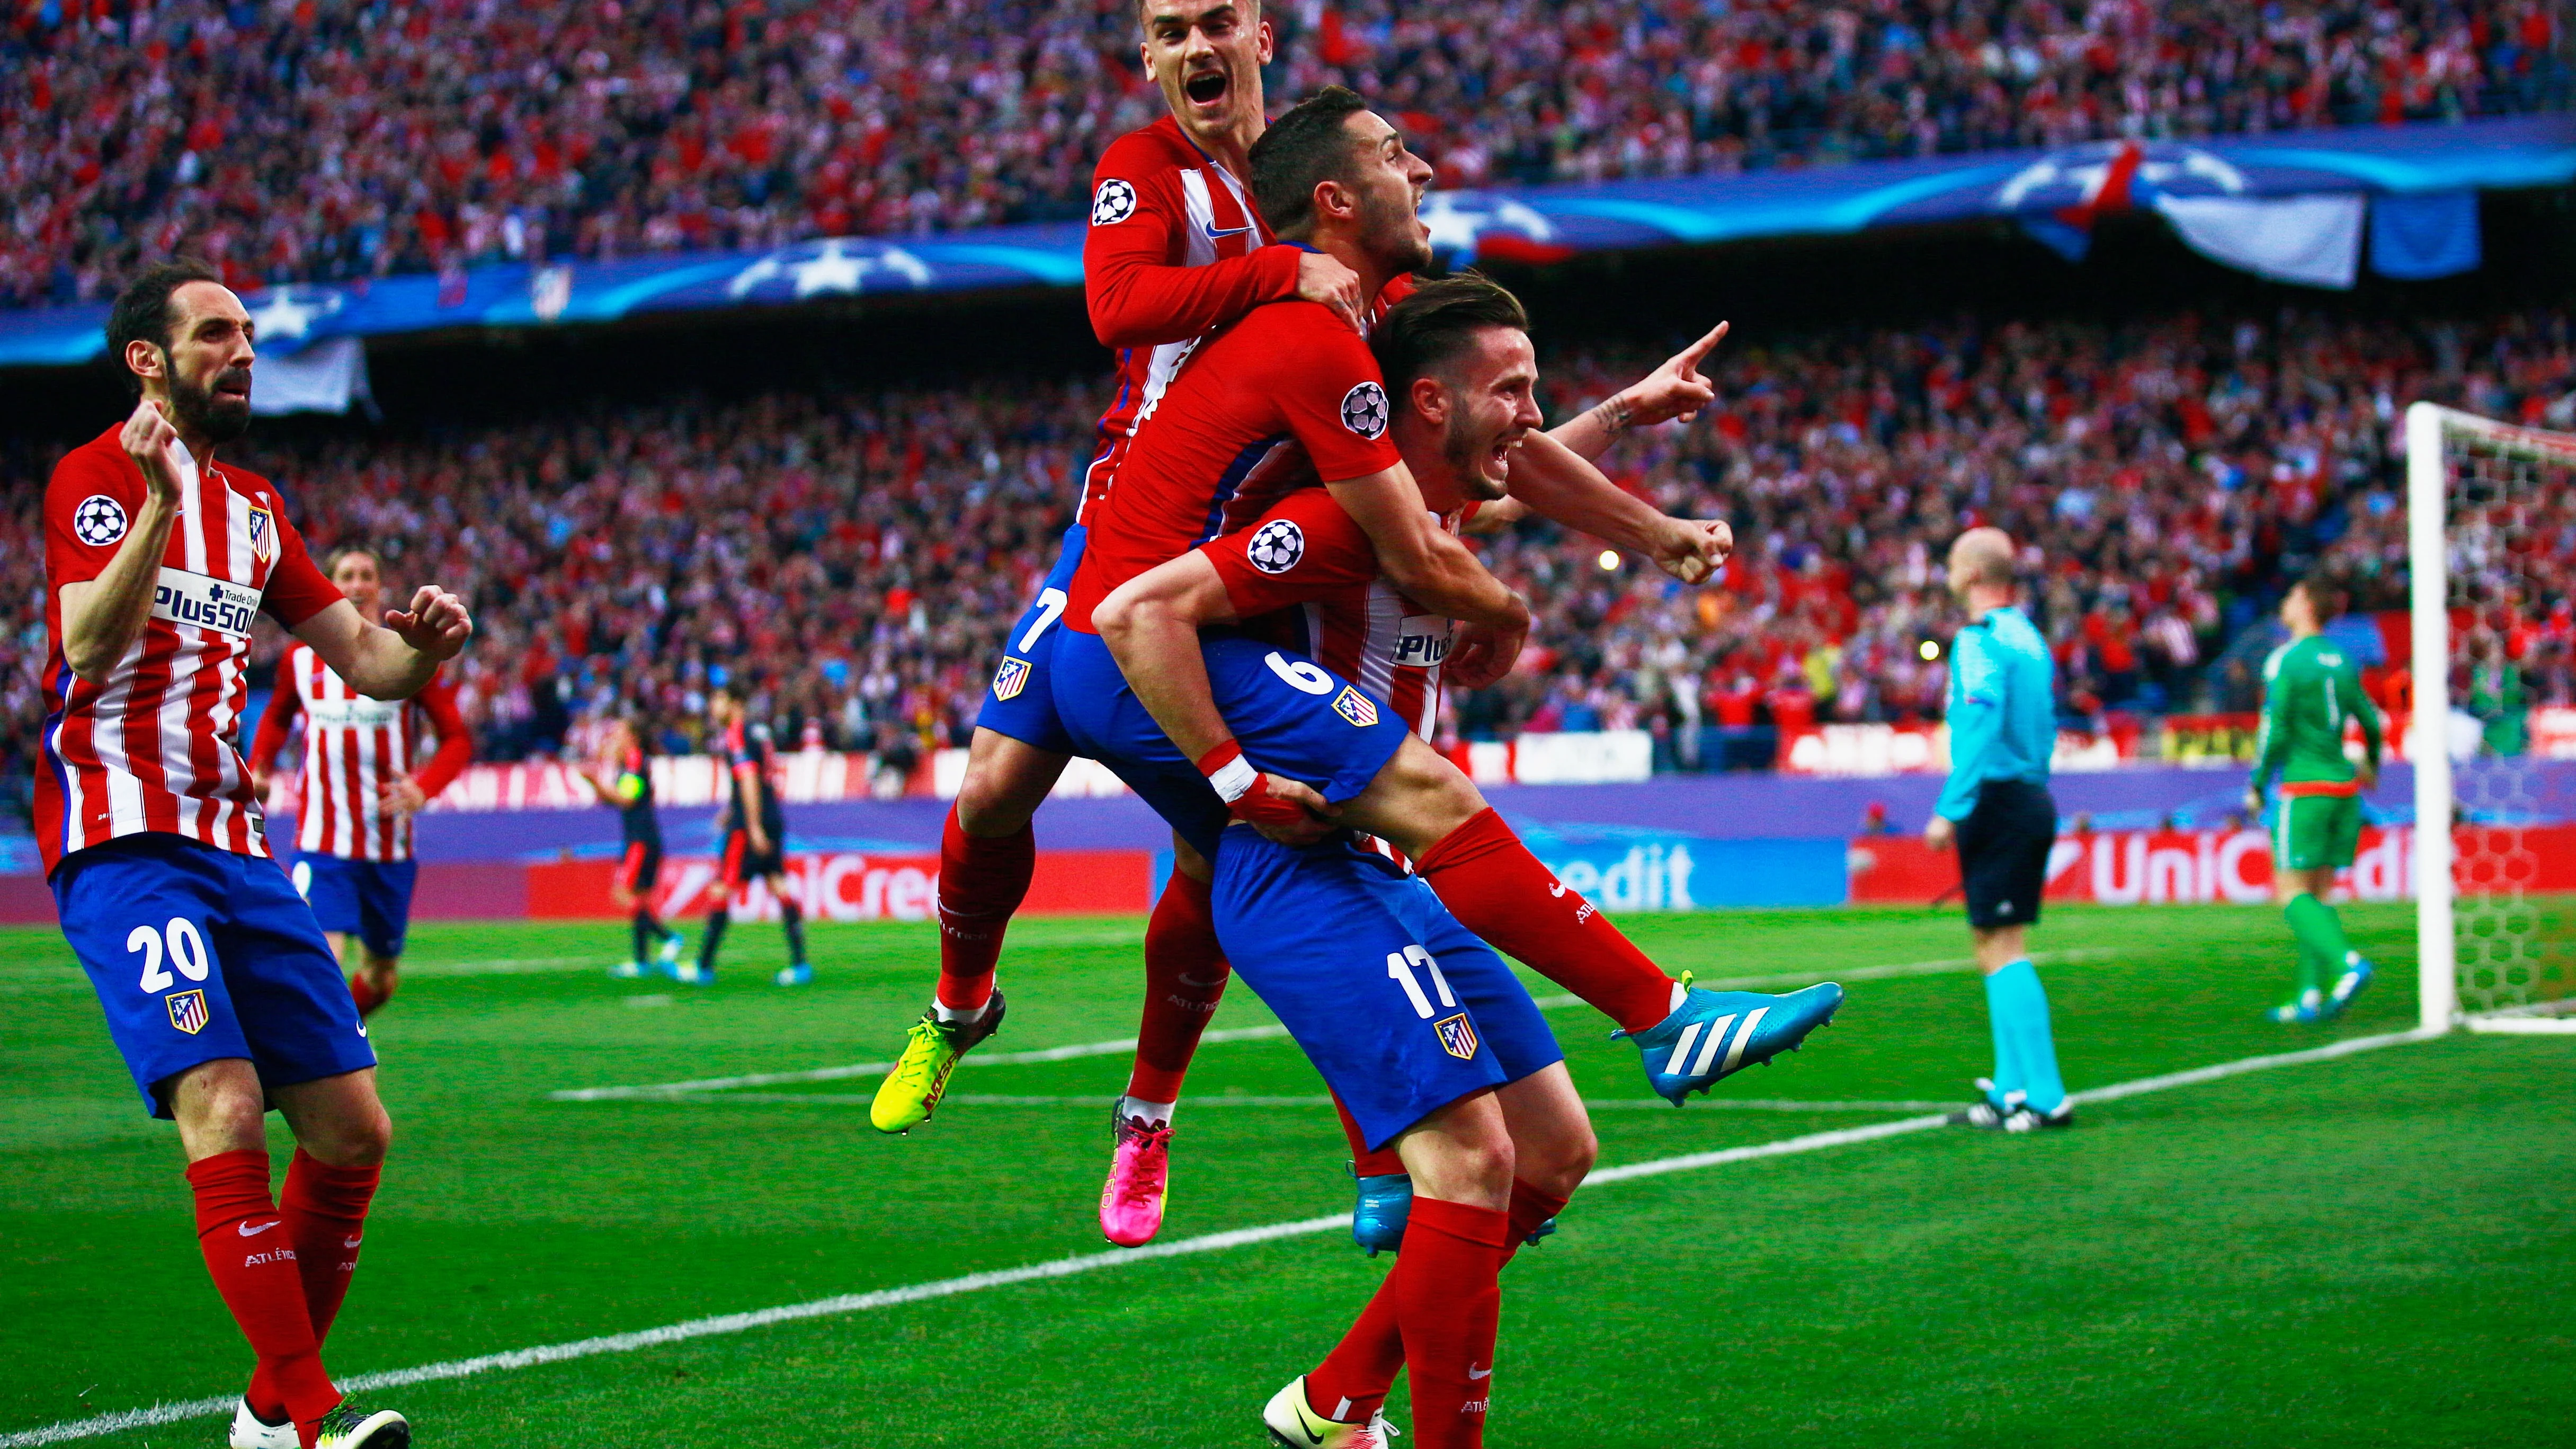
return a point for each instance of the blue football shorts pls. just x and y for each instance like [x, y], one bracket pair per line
[1020, 702]
[1292, 717]
[199, 955]
[370, 898]
[1401, 1009]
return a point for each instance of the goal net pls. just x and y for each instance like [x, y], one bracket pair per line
[2491, 521]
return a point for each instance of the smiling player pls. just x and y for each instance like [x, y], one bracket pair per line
[219, 988]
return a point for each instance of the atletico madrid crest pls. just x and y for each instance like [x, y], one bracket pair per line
[188, 1011]
[263, 534]
[1011, 678]
[1457, 1036]
[1356, 707]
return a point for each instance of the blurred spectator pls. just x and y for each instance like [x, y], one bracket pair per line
[852, 559]
[351, 138]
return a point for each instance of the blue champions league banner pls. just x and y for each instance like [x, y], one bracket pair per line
[2056, 192]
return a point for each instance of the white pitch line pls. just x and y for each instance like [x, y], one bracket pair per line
[727, 1323]
[508, 966]
[1273, 1032]
[1231, 1099]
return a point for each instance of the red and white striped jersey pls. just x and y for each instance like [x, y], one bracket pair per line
[1174, 252]
[151, 748]
[353, 747]
[1305, 576]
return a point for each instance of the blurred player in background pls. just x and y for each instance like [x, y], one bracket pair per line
[755, 836]
[1996, 808]
[2311, 690]
[623, 775]
[218, 986]
[361, 786]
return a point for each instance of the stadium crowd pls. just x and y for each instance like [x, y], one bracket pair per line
[854, 558]
[327, 139]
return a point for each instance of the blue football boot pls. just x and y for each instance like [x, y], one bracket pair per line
[1714, 1034]
[1385, 1205]
[2356, 976]
[2308, 1006]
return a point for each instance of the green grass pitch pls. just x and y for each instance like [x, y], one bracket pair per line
[2379, 1249]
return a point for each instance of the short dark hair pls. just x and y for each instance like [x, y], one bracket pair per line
[2325, 592]
[1301, 149]
[1430, 328]
[143, 313]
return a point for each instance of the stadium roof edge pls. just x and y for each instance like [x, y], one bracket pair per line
[1533, 224]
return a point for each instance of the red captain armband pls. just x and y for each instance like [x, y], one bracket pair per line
[1245, 790]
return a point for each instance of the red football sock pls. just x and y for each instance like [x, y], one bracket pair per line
[253, 1259]
[364, 993]
[1351, 1383]
[1498, 890]
[981, 882]
[1530, 1207]
[1364, 1162]
[1450, 1303]
[325, 1208]
[1185, 975]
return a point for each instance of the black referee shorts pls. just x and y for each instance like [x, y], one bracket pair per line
[2003, 852]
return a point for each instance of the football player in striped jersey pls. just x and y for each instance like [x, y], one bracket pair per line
[1174, 251]
[219, 989]
[362, 783]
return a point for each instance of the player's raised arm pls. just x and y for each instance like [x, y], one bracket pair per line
[1559, 484]
[102, 615]
[1675, 390]
[395, 659]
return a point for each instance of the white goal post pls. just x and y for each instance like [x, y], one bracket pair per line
[2487, 503]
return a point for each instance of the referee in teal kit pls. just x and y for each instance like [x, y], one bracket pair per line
[1996, 806]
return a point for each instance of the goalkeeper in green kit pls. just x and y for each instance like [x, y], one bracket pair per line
[2310, 688]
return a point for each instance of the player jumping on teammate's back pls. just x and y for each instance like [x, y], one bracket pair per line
[1182, 720]
[623, 776]
[360, 790]
[1997, 809]
[219, 989]
[1173, 252]
[2310, 692]
[1345, 182]
[754, 842]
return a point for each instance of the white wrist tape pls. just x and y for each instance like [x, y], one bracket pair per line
[1233, 778]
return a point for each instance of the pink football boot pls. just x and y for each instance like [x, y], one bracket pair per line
[1131, 1201]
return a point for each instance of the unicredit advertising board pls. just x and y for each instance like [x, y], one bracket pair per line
[2138, 867]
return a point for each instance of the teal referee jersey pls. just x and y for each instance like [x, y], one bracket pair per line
[2003, 711]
